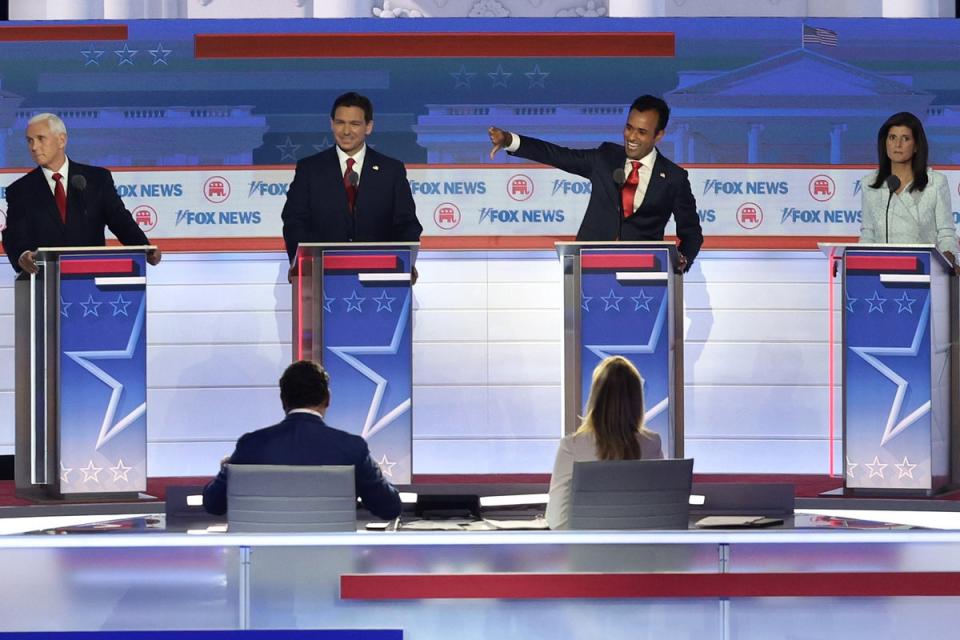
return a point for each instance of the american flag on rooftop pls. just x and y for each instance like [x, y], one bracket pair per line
[816, 35]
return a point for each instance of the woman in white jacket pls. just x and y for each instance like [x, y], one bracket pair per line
[905, 202]
[612, 430]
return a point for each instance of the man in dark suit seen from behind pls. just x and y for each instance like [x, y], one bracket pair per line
[635, 188]
[63, 203]
[303, 438]
[351, 192]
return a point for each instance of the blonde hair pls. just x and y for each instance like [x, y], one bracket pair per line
[614, 412]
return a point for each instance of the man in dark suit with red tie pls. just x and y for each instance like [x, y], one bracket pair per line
[63, 203]
[635, 188]
[349, 193]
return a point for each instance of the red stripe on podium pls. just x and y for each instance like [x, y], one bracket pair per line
[359, 263]
[617, 261]
[882, 263]
[434, 45]
[648, 585]
[53, 33]
[96, 265]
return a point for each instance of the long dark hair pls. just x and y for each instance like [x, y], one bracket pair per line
[615, 409]
[921, 150]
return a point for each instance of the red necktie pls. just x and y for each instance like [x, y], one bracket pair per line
[348, 185]
[60, 196]
[630, 189]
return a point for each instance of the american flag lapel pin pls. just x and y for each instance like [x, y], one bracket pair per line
[376, 167]
[663, 175]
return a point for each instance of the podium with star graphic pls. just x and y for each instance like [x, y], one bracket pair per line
[898, 355]
[352, 312]
[81, 387]
[623, 298]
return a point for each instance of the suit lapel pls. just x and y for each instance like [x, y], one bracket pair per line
[333, 176]
[657, 184]
[48, 204]
[369, 176]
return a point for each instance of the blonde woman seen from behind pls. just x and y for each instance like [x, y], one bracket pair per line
[612, 429]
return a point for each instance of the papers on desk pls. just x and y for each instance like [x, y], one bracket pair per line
[736, 522]
[473, 525]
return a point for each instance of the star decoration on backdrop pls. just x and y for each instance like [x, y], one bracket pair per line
[63, 307]
[905, 469]
[876, 302]
[869, 354]
[851, 466]
[327, 301]
[120, 305]
[120, 471]
[641, 301]
[287, 150]
[499, 77]
[91, 56]
[160, 54]
[109, 428]
[905, 303]
[384, 302]
[323, 146]
[585, 302]
[537, 77]
[386, 466]
[604, 350]
[90, 307]
[354, 302]
[125, 55]
[850, 302]
[611, 301]
[462, 78]
[348, 354]
[876, 467]
[91, 472]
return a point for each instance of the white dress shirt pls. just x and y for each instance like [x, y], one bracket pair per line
[358, 161]
[64, 171]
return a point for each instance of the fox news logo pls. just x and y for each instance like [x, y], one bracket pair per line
[758, 187]
[446, 215]
[507, 216]
[216, 189]
[749, 215]
[821, 188]
[520, 187]
[576, 187]
[707, 215]
[189, 217]
[261, 188]
[145, 216]
[451, 187]
[856, 187]
[820, 216]
[156, 190]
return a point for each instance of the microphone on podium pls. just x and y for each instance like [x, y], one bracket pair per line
[893, 183]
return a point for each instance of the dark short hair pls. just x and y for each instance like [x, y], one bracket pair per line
[653, 103]
[304, 384]
[354, 99]
[920, 146]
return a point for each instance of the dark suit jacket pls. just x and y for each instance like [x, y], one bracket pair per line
[317, 209]
[304, 439]
[668, 192]
[33, 219]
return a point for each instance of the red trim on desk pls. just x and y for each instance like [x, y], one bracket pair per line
[96, 265]
[359, 263]
[54, 33]
[617, 261]
[433, 45]
[887, 264]
[536, 586]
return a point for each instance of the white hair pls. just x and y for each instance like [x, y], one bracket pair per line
[53, 120]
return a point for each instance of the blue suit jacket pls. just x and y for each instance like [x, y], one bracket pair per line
[33, 219]
[668, 193]
[304, 439]
[317, 210]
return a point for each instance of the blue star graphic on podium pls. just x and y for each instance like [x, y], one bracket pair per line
[91, 56]
[160, 54]
[125, 55]
[894, 423]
